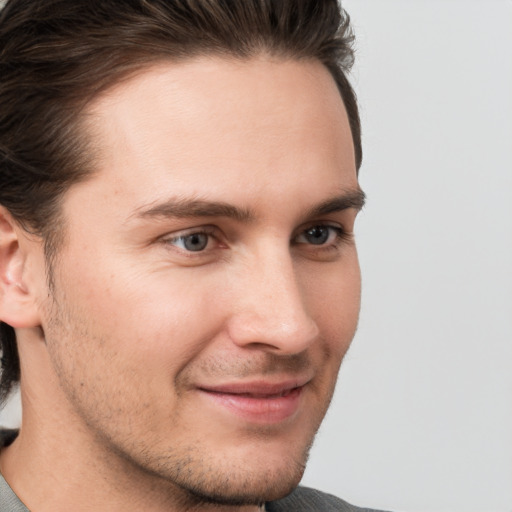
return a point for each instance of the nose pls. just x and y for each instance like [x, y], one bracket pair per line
[270, 309]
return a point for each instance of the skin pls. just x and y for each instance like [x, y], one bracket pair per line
[151, 373]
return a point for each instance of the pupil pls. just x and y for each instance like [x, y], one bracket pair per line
[196, 242]
[317, 235]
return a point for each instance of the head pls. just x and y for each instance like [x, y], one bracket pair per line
[53, 66]
[78, 149]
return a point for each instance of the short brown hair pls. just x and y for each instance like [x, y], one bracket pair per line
[56, 55]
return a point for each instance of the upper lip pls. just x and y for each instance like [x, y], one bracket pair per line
[257, 387]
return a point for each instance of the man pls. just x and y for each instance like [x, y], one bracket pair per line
[179, 280]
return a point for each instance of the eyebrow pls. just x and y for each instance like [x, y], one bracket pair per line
[189, 208]
[351, 199]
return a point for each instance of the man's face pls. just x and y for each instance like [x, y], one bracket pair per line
[208, 286]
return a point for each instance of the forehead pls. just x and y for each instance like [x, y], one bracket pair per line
[210, 123]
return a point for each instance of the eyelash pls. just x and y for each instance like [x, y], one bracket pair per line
[340, 236]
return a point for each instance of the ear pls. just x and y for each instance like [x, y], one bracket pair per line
[18, 304]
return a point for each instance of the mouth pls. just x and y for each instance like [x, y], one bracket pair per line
[257, 402]
[263, 395]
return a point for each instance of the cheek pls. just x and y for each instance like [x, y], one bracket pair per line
[333, 298]
[148, 319]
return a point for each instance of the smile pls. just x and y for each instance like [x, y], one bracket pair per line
[258, 402]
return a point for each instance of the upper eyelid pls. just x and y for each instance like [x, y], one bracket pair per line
[207, 230]
[216, 232]
[327, 223]
[340, 217]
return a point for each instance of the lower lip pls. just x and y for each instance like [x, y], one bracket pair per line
[259, 410]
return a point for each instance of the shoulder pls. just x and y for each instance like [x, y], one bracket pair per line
[9, 502]
[311, 500]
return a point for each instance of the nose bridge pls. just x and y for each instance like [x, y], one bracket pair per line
[273, 309]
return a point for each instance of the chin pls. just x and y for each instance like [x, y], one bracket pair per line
[246, 491]
[244, 481]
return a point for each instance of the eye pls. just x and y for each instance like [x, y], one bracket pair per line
[320, 235]
[196, 241]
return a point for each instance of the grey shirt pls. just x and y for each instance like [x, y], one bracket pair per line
[9, 502]
[301, 500]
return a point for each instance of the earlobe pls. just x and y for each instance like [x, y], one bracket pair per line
[18, 307]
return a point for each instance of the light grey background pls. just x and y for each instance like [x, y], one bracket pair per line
[422, 419]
